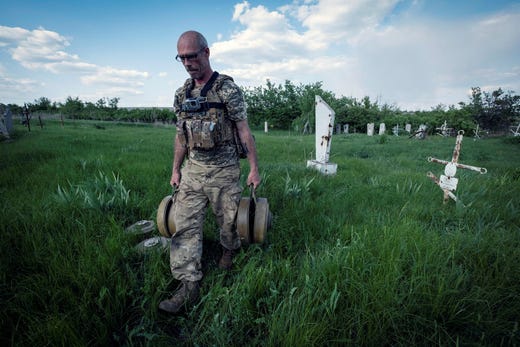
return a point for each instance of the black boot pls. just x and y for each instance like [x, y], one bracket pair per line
[185, 296]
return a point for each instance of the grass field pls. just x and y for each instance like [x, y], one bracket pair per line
[370, 256]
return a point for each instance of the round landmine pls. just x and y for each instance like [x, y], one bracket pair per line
[262, 220]
[243, 221]
[162, 216]
[141, 227]
[158, 243]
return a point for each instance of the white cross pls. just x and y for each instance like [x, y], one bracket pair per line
[445, 131]
[476, 132]
[395, 130]
[448, 182]
[517, 131]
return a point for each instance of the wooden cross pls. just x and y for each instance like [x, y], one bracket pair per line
[448, 182]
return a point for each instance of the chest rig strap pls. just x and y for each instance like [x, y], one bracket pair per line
[201, 103]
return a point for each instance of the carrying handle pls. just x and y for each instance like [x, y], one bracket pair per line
[253, 192]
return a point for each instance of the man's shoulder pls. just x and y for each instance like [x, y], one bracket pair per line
[225, 82]
[224, 77]
[228, 88]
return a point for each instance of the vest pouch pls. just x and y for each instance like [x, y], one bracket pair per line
[208, 135]
[189, 132]
[201, 134]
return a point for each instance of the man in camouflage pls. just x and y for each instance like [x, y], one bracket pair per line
[212, 124]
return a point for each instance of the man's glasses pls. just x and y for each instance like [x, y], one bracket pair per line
[188, 57]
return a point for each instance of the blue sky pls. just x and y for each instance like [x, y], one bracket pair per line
[414, 54]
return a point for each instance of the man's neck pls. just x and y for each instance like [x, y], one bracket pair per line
[204, 80]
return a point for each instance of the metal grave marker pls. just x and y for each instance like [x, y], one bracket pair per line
[324, 127]
[444, 130]
[395, 130]
[448, 182]
[476, 133]
[420, 133]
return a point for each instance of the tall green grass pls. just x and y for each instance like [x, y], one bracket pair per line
[370, 256]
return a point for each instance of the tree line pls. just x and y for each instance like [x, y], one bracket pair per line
[289, 106]
[104, 109]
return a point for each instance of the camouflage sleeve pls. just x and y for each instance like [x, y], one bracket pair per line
[176, 101]
[177, 104]
[233, 97]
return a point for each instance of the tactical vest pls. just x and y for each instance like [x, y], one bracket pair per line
[202, 119]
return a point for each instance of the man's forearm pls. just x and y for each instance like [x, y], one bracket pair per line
[251, 152]
[179, 152]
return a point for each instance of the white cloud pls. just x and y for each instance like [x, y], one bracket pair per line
[414, 62]
[118, 77]
[338, 20]
[389, 50]
[18, 85]
[13, 86]
[267, 35]
[437, 61]
[38, 49]
[42, 49]
[12, 34]
[297, 42]
[289, 69]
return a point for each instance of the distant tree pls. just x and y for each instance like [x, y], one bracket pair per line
[307, 102]
[41, 104]
[276, 104]
[72, 107]
[15, 109]
[90, 110]
[112, 103]
[101, 103]
[290, 106]
[360, 113]
[455, 118]
[253, 98]
[496, 110]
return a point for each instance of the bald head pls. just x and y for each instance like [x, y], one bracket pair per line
[192, 49]
[193, 37]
